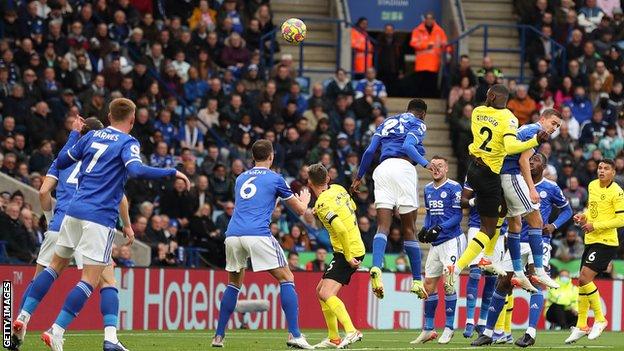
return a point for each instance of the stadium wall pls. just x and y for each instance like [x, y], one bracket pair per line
[180, 299]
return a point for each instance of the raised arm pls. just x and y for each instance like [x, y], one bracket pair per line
[368, 155]
[409, 147]
[299, 202]
[565, 214]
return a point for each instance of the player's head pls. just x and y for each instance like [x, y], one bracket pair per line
[440, 167]
[606, 170]
[537, 163]
[497, 96]
[318, 175]
[262, 151]
[418, 107]
[91, 123]
[550, 120]
[121, 111]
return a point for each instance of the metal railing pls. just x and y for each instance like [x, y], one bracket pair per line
[559, 56]
[337, 44]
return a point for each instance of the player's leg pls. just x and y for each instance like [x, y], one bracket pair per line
[333, 335]
[535, 222]
[236, 256]
[472, 288]
[489, 286]
[431, 302]
[489, 261]
[499, 327]
[412, 249]
[499, 297]
[536, 304]
[109, 307]
[333, 279]
[384, 220]
[449, 253]
[508, 338]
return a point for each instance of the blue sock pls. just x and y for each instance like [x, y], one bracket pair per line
[228, 304]
[412, 249]
[431, 303]
[38, 289]
[513, 243]
[537, 246]
[496, 306]
[486, 295]
[25, 295]
[73, 304]
[450, 302]
[379, 249]
[290, 306]
[472, 288]
[535, 308]
[109, 306]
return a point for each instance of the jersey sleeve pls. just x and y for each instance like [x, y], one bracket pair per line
[131, 152]
[558, 198]
[53, 172]
[283, 190]
[76, 152]
[324, 211]
[618, 201]
[510, 125]
[457, 191]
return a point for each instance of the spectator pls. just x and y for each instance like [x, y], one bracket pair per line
[41, 159]
[429, 42]
[401, 265]
[592, 131]
[297, 240]
[205, 234]
[20, 246]
[562, 303]
[580, 105]
[295, 95]
[203, 15]
[571, 247]
[484, 85]
[611, 144]
[522, 105]
[293, 262]
[590, 16]
[40, 125]
[601, 76]
[125, 257]
[191, 136]
[395, 242]
[177, 203]
[235, 54]
[318, 264]
[379, 89]
[390, 58]
[224, 219]
[362, 47]
[339, 85]
[164, 257]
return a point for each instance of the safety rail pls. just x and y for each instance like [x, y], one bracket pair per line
[559, 56]
[272, 36]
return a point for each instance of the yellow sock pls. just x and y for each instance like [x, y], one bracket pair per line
[583, 308]
[593, 296]
[340, 311]
[489, 248]
[474, 248]
[500, 322]
[508, 314]
[331, 321]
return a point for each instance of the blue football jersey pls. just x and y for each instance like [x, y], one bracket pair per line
[474, 221]
[511, 164]
[443, 204]
[395, 129]
[67, 181]
[256, 193]
[104, 154]
[551, 195]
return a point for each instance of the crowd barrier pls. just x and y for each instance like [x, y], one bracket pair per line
[184, 299]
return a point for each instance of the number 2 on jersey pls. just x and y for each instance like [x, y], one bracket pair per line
[100, 150]
[73, 176]
[389, 127]
[488, 138]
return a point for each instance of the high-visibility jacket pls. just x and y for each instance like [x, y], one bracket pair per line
[362, 54]
[429, 47]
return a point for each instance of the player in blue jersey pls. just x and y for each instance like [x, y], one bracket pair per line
[248, 236]
[442, 229]
[551, 196]
[108, 157]
[523, 201]
[474, 224]
[65, 183]
[400, 138]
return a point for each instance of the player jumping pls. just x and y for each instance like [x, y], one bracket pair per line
[336, 210]
[65, 182]
[604, 215]
[443, 230]
[523, 202]
[396, 186]
[494, 130]
[248, 236]
[550, 195]
[108, 157]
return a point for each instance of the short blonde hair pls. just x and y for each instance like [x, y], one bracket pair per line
[121, 109]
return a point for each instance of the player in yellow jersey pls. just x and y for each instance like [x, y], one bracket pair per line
[494, 130]
[336, 210]
[604, 215]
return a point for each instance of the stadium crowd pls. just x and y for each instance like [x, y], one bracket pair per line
[204, 95]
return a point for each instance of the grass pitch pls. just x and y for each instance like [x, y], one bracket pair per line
[276, 340]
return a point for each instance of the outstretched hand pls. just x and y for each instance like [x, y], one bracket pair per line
[304, 196]
[355, 185]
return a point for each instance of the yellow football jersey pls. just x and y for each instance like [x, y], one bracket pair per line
[605, 211]
[489, 128]
[335, 204]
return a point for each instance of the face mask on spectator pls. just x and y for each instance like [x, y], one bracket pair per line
[564, 280]
[400, 267]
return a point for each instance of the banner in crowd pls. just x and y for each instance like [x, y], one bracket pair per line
[181, 299]
[403, 14]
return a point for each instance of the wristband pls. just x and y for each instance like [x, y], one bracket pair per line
[472, 202]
